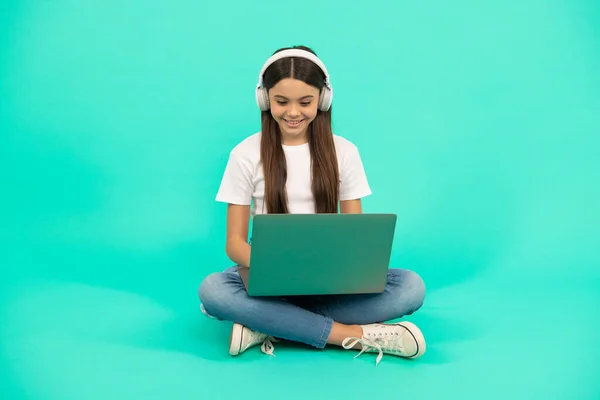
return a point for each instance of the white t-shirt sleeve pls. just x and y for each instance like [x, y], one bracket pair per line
[354, 183]
[236, 185]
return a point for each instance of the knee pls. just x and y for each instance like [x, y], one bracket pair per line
[417, 289]
[211, 291]
[411, 289]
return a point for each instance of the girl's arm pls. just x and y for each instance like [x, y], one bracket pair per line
[237, 247]
[351, 206]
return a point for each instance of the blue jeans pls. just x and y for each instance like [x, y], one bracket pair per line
[308, 319]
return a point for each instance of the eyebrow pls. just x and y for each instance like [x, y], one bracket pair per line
[301, 98]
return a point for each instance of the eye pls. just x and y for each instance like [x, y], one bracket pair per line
[306, 103]
[280, 102]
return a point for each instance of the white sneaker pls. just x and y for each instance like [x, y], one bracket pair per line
[242, 338]
[401, 339]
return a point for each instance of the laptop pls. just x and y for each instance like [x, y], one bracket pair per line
[319, 254]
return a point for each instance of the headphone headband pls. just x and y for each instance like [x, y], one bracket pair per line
[326, 94]
[293, 53]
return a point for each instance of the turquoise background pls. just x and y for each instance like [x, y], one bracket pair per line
[478, 123]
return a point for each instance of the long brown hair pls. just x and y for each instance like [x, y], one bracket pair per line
[324, 166]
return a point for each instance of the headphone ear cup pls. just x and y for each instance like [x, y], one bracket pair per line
[325, 98]
[262, 99]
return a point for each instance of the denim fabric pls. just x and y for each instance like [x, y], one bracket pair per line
[308, 319]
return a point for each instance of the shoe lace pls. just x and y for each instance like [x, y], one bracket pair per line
[388, 342]
[267, 346]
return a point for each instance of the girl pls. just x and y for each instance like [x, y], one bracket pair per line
[297, 165]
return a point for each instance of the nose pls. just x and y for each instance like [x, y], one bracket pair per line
[293, 110]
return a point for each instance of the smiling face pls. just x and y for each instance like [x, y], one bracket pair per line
[294, 105]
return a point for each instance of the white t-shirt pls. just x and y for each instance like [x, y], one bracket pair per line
[243, 181]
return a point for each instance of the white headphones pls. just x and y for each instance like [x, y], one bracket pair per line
[262, 97]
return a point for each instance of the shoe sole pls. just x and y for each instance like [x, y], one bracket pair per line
[235, 344]
[416, 333]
